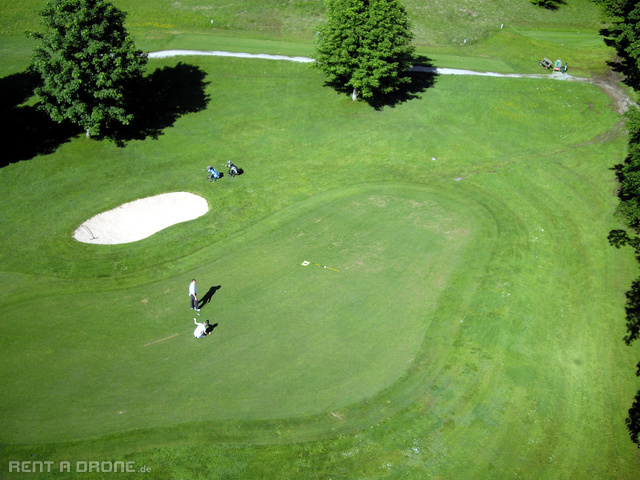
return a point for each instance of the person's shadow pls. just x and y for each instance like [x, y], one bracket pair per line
[210, 328]
[208, 296]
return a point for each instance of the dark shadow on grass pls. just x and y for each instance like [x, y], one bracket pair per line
[551, 4]
[420, 78]
[629, 70]
[17, 89]
[239, 171]
[215, 180]
[27, 131]
[633, 420]
[208, 296]
[159, 99]
[623, 64]
[210, 328]
[156, 102]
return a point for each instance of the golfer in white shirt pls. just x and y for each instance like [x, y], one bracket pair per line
[201, 329]
[193, 296]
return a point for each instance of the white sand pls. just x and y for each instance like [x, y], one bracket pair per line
[140, 219]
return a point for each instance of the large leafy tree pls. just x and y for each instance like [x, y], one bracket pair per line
[87, 63]
[616, 8]
[628, 175]
[625, 35]
[365, 46]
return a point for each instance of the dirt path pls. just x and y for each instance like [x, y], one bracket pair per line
[609, 84]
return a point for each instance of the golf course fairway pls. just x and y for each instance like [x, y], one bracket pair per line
[469, 321]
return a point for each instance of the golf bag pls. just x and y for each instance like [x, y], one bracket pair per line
[233, 170]
[213, 174]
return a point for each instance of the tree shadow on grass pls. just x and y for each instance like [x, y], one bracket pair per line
[632, 308]
[160, 99]
[628, 69]
[623, 64]
[633, 420]
[27, 131]
[157, 101]
[420, 78]
[550, 4]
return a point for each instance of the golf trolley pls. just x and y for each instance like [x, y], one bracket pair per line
[233, 170]
[213, 174]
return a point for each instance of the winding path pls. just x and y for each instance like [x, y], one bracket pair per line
[610, 86]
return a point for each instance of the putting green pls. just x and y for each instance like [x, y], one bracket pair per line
[584, 39]
[291, 340]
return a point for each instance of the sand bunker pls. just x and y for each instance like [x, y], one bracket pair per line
[140, 219]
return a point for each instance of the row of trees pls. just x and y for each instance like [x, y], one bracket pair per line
[88, 67]
[628, 210]
[625, 37]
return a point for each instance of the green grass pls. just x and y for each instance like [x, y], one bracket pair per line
[435, 312]
[435, 21]
[501, 35]
[473, 330]
[303, 346]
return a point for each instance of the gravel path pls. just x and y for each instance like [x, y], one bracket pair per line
[609, 85]
[216, 53]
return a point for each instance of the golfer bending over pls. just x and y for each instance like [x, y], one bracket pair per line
[201, 329]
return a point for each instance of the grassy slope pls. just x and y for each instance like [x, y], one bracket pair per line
[518, 349]
[501, 35]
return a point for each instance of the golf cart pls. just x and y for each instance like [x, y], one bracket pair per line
[546, 63]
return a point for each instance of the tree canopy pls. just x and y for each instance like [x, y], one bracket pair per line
[625, 36]
[87, 62]
[365, 46]
[616, 8]
[628, 174]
